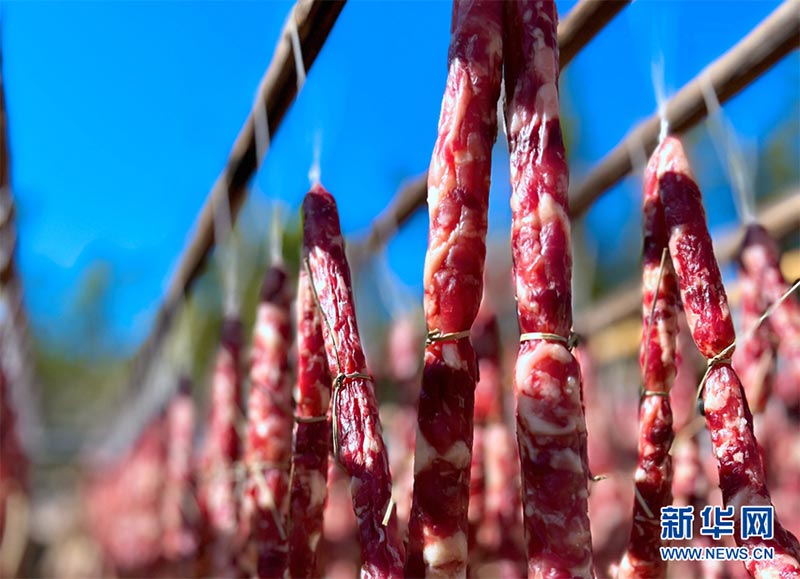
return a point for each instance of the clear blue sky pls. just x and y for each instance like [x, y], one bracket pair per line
[122, 114]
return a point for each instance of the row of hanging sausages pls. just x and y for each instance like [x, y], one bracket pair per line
[464, 498]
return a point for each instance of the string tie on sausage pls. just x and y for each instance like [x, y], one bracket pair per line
[439, 336]
[310, 419]
[341, 377]
[720, 359]
[724, 357]
[662, 393]
[570, 341]
[339, 382]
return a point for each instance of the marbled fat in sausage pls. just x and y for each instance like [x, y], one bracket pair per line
[361, 450]
[458, 198]
[551, 427]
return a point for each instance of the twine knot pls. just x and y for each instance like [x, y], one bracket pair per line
[569, 341]
[439, 336]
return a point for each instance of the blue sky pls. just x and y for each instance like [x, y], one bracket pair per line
[122, 114]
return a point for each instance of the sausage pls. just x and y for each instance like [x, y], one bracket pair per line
[657, 358]
[763, 285]
[551, 427]
[180, 540]
[458, 197]
[312, 436]
[218, 498]
[357, 435]
[268, 451]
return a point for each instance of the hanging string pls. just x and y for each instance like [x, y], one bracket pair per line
[394, 295]
[227, 251]
[260, 128]
[299, 65]
[730, 153]
[315, 171]
[388, 514]
[276, 235]
[657, 75]
[650, 320]
[300, 71]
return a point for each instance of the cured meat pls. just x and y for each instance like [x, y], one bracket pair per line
[690, 487]
[763, 284]
[690, 366]
[500, 534]
[551, 428]
[754, 358]
[488, 407]
[477, 491]
[495, 525]
[265, 501]
[405, 345]
[458, 197]
[312, 436]
[400, 428]
[180, 540]
[341, 557]
[357, 438]
[602, 430]
[740, 470]
[657, 358]
[404, 356]
[218, 499]
[782, 458]
[728, 416]
[489, 389]
[124, 505]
